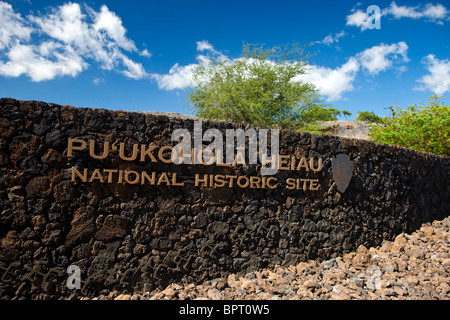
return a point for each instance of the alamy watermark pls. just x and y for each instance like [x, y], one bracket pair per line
[221, 148]
[374, 19]
[74, 280]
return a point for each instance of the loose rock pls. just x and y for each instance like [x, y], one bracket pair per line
[351, 277]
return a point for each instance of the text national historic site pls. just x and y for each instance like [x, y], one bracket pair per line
[172, 155]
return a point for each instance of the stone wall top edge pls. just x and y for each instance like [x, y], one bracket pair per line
[346, 142]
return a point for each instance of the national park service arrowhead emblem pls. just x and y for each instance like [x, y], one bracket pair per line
[342, 171]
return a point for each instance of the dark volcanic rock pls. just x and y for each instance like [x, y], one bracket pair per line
[113, 227]
[38, 187]
[82, 227]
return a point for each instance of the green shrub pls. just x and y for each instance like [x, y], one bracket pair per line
[259, 89]
[421, 127]
[368, 116]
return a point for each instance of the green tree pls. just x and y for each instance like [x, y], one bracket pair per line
[420, 127]
[259, 89]
[346, 113]
[368, 116]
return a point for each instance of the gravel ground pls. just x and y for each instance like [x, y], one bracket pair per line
[415, 266]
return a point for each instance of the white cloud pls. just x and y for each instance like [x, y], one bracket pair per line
[330, 39]
[180, 77]
[358, 19]
[332, 83]
[12, 26]
[438, 81]
[403, 11]
[145, 53]
[42, 63]
[108, 21]
[381, 57]
[133, 69]
[210, 52]
[400, 70]
[435, 13]
[204, 45]
[98, 81]
[77, 33]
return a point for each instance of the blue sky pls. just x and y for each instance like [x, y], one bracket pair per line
[139, 55]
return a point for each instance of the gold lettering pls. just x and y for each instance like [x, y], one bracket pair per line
[243, 185]
[96, 175]
[305, 181]
[175, 183]
[71, 147]
[303, 164]
[204, 181]
[269, 185]
[92, 149]
[122, 152]
[232, 178]
[290, 184]
[127, 177]
[283, 162]
[163, 178]
[314, 184]
[255, 182]
[146, 177]
[266, 160]
[161, 154]
[110, 173]
[83, 176]
[264, 180]
[148, 152]
[319, 164]
[219, 180]
[292, 163]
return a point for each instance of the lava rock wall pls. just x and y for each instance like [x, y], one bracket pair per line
[133, 237]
